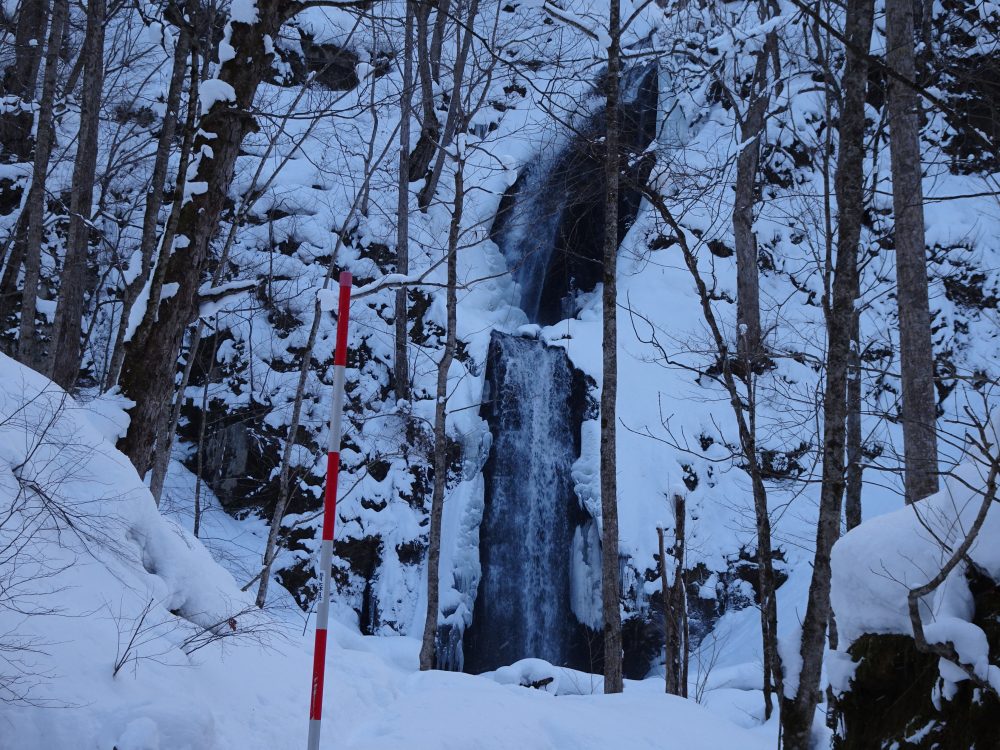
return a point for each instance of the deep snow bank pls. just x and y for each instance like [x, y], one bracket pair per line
[877, 564]
[926, 701]
[94, 577]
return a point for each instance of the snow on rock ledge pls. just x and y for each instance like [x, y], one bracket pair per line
[878, 563]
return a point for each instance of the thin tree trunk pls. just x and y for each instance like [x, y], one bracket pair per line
[453, 121]
[675, 606]
[610, 575]
[65, 353]
[202, 424]
[437, 38]
[154, 199]
[427, 646]
[852, 494]
[670, 666]
[401, 369]
[916, 355]
[745, 239]
[798, 710]
[29, 351]
[430, 129]
[679, 596]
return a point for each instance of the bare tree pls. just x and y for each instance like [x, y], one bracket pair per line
[28, 351]
[916, 355]
[401, 373]
[154, 197]
[797, 711]
[65, 352]
[610, 576]
[427, 646]
[148, 368]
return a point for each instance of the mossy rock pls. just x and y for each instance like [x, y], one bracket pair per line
[891, 703]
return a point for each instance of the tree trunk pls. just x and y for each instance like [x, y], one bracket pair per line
[679, 595]
[675, 607]
[427, 646]
[65, 352]
[454, 120]
[430, 129]
[799, 710]
[745, 240]
[29, 351]
[19, 81]
[916, 355]
[610, 575]
[852, 494]
[670, 666]
[437, 38]
[150, 362]
[401, 369]
[154, 199]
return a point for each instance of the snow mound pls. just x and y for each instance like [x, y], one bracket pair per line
[97, 589]
[877, 564]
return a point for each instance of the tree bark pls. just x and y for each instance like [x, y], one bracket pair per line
[430, 128]
[852, 490]
[65, 353]
[679, 596]
[29, 351]
[454, 120]
[675, 607]
[148, 369]
[745, 239]
[799, 709]
[401, 368]
[428, 643]
[610, 575]
[916, 355]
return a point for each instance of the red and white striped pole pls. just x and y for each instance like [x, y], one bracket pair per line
[329, 512]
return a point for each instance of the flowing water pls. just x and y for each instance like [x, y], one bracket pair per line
[523, 608]
[550, 229]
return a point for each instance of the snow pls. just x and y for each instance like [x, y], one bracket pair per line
[877, 564]
[229, 695]
[215, 90]
[248, 687]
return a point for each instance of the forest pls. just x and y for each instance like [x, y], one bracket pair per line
[499, 374]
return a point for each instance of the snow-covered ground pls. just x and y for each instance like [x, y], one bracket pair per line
[101, 580]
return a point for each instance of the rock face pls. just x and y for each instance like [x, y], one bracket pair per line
[898, 700]
[550, 225]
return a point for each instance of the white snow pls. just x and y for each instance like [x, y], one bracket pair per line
[108, 565]
[877, 564]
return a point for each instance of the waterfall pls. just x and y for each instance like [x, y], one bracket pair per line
[526, 536]
[538, 547]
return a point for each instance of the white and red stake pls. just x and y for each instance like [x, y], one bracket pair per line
[329, 512]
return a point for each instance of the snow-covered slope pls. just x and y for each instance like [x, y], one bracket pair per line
[99, 579]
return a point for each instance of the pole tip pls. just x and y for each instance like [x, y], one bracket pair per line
[345, 278]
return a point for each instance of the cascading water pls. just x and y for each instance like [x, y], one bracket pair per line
[538, 547]
[524, 608]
